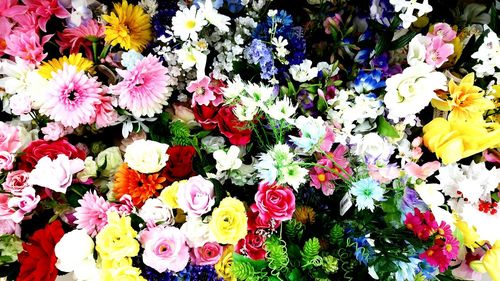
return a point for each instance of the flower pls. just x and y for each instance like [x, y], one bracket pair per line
[146, 156]
[224, 265]
[73, 38]
[303, 72]
[197, 196]
[131, 58]
[139, 186]
[38, 258]
[409, 92]
[128, 26]
[91, 214]
[27, 46]
[367, 191]
[214, 18]
[253, 245]
[154, 210]
[259, 53]
[169, 194]
[407, 9]
[24, 204]
[75, 252]
[281, 110]
[229, 221]
[164, 248]
[366, 82]
[55, 174]
[422, 172]
[180, 163]
[438, 52]
[143, 89]
[453, 140]
[10, 140]
[443, 30]
[197, 232]
[109, 160]
[6, 161]
[464, 101]
[45, 9]
[48, 68]
[488, 54]
[55, 130]
[71, 97]
[116, 240]
[202, 93]
[187, 23]
[274, 202]
[41, 148]
[206, 115]
[208, 254]
[312, 132]
[227, 160]
[120, 269]
[236, 131]
[16, 181]
[491, 261]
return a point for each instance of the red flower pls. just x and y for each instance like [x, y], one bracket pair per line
[38, 259]
[180, 163]
[274, 202]
[206, 115]
[253, 246]
[40, 148]
[256, 222]
[236, 131]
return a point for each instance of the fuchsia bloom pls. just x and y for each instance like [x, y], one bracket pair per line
[322, 178]
[438, 52]
[8, 9]
[26, 45]
[143, 89]
[72, 97]
[208, 254]
[202, 92]
[91, 215]
[73, 38]
[45, 9]
[274, 202]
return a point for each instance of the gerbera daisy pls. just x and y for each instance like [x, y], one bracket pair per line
[71, 97]
[73, 38]
[143, 89]
[139, 186]
[49, 67]
[187, 23]
[91, 215]
[130, 27]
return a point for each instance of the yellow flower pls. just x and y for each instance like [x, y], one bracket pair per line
[223, 266]
[489, 263]
[48, 67]
[117, 239]
[469, 234]
[465, 101]
[129, 26]
[229, 221]
[122, 269]
[453, 140]
[169, 194]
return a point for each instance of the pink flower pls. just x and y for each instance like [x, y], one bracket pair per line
[323, 178]
[27, 22]
[56, 174]
[383, 174]
[424, 171]
[202, 94]
[16, 182]
[105, 115]
[438, 52]
[9, 138]
[274, 202]
[444, 31]
[6, 161]
[8, 226]
[328, 139]
[45, 9]
[24, 204]
[464, 271]
[91, 215]
[73, 38]
[208, 254]
[20, 104]
[26, 45]
[5, 30]
[165, 248]
[9, 8]
[197, 196]
[55, 130]
[143, 89]
[5, 210]
[72, 97]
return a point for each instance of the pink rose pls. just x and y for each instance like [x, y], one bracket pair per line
[208, 254]
[55, 130]
[105, 115]
[16, 181]
[197, 196]
[56, 174]
[20, 104]
[253, 246]
[9, 138]
[24, 204]
[9, 227]
[6, 161]
[164, 248]
[5, 211]
[274, 202]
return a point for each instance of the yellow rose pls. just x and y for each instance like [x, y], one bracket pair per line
[229, 221]
[455, 140]
[469, 234]
[223, 266]
[169, 194]
[122, 269]
[117, 239]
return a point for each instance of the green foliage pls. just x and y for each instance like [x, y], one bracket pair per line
[336, 234]
[294, 229]
[243, 271]
[330, 264]
[384, 128]
[180, 133]
[310, 252]
[10, 247]
[276, 254]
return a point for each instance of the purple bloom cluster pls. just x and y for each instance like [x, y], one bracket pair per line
[190, 273]
[259, 53]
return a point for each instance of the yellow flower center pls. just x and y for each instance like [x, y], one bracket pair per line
[448, 247]
[321, 177]
[190, 24]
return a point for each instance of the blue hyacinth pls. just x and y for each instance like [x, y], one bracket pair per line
[366, 82]
[259, 53]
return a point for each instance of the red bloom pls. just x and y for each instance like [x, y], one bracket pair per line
[253, 246]
[274, 202]
[256, 222]
[38, 259]
[236, 131]
[180, 163]
[206, 115]
[40, 148]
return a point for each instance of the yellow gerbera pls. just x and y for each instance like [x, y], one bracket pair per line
[130, 27]
[54, 65]
[464, 101]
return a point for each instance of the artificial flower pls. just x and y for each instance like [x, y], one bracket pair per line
[227, 160]
[146, 156]
[40, 148]
[139, 186]
[208, 254]
[197, 196]
[75, 253]
[109, 160]
[180, 163]
[91, 214]
[169, 194]
[55, 174]
[117, 240]
[187, 23]
[154, 210]
[223, 266]
[229, 221]
[367, 191]
[274, 202]
[47, 68]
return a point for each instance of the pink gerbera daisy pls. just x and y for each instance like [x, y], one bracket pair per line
[72, 97]
[143, 89]
[91, 215]
[73, 38]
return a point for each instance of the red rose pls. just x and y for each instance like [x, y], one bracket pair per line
[253, 246]
[38, 260]
[236, 131]
[206, 115]
[255, 222]
[40, 148]
[180, 163]
[274, 202]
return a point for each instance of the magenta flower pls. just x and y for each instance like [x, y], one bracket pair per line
[73, 38]
[444, 31]
[26, 45]
[105, 115]
[202, 94]
[45, 9]
[438, 52]
[322, 178]
[91, 215]
[72, 97]
[9, 8]
[143, 89]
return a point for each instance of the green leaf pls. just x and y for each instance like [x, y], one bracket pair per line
[493, 19]
[402, 41]
[385, 128]
[295, 275]
[220, 193]
[382, 45]
[258, 265]
[321, 105]
[291, 89]
[74, 193]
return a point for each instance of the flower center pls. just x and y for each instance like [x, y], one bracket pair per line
[321, 177]
[190, 24]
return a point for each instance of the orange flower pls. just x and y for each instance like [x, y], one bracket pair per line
[139, 186]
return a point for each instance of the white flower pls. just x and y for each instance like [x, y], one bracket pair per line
[227, 160]
[408, 7]
[109, 160]
[486, 224]
[266, 168]
[131, 58]
[75, 253]
[211, 143]
[280, 43]
[374, 147]
[278, 165]
[488, 54]
[89, 171]
[430, 194]
[281, 110]
[304, 71]
[417, 49]
[246, 110]
[294, 175]
[234, 88]
[187, 23]
[197, 232]
[213, 17]
[55, 174]
[15, 80]
[312, 131]
[259, 93]
[409, 92]
[146, 156]
[154, 210]
[192, 57]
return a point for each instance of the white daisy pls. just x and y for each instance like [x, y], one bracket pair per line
[187, 23]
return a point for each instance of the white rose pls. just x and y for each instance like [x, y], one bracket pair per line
[109, 160]
[409, 92]
[197, 232]
[157, 211]
[417, 49]
[90, 170]
[374, 147]
[73, 250]
[146, 156]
